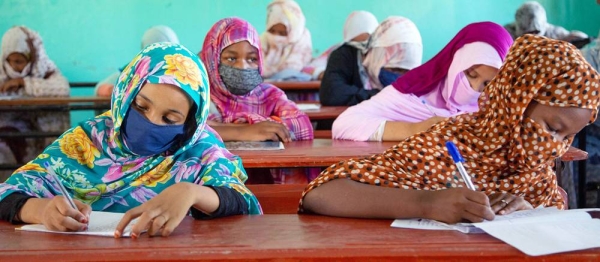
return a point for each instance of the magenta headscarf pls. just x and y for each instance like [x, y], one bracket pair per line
[265, 102]
[426, 77]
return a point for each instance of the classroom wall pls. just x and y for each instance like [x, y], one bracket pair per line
[90, 39]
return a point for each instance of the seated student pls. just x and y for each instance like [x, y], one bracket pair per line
[357, 29]
[447, 85]
[151, 156]
[394, 48]
[591, 52]
[155, 34]
[286, 45]
[244, 108]
[530, 18]
[27, 71]
[528, 118]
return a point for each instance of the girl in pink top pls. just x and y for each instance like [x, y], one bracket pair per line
[447, 85]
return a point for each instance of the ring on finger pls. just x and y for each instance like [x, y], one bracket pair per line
[504, 203]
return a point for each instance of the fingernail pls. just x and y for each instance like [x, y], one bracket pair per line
[117, 234]
[134, 235]
[83, 220]
[84, 228]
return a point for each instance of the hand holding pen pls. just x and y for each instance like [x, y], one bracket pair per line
[60, 213]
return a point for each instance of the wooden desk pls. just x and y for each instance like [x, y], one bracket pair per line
[314, 153]
[325, 112]
[325, 152]
[287, 237]
[309, 86]
[55, 103]
[278, 199]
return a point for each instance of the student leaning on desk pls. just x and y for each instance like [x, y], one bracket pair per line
[544, 94]
[151, 156]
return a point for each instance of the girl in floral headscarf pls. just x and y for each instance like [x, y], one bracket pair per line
[287, 43]
[151, 155]
[544, 94]
[27, 70]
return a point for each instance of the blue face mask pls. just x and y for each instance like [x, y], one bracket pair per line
[146, 138]
[387, 77]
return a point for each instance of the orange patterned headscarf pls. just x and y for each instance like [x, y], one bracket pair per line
[503, 150]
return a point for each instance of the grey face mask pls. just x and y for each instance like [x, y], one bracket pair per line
[239, 81]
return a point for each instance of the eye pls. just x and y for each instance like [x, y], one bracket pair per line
[168, 121]
[486, 83]
[470, 73]
[230, 59]
[139, 107]
[253, 60]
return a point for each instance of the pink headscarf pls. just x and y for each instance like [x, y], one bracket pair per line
[426, 77]
[264, 103]
[450, 95]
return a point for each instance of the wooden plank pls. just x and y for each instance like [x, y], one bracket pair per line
[273, 237]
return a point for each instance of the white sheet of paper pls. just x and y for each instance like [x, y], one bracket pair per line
[542, 238]
[308, 107]
[101, 224]
[254, 145]
[535, 232]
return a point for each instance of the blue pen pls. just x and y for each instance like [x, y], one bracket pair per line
[458, 160]
[62, 188]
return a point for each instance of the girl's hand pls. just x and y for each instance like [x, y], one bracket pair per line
[266, 130]
[12, 85]
[161, 214]
[504, 203]
[58, 214]
[456, 204]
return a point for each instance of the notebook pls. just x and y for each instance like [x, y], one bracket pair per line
[101, 224]
[535, 232]
[254, 145]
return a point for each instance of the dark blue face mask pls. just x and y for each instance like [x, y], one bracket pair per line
[145, 138]
[387, 77]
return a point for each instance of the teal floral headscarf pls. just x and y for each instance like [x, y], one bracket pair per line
[97, 168]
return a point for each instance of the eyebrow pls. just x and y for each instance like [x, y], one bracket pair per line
[150, 101]
[231, 52]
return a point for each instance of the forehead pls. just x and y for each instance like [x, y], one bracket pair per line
[240, 47]
[16, 56]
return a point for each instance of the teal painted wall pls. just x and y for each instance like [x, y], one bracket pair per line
[89, 39]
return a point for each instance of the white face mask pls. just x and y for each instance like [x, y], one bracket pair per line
[277, 40]
[11, 73]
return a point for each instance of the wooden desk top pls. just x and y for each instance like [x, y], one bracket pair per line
[297, 86]
[325, 112]
[30, 101]
[314, 153]
[325, 152]
[273, 237]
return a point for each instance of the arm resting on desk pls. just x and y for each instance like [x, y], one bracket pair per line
[55, 85]
[11, 206]
[230, 203]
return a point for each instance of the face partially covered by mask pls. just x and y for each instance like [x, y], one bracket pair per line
[240, 81]
[387, 77]
[145, 138]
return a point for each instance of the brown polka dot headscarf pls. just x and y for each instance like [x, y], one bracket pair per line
[503, 150]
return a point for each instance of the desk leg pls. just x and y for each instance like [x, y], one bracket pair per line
[582, 172]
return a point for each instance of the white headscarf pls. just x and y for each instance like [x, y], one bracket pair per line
[359, 22]
[20, 39]
[159, 33]
[395, 43]
[283, 52]
[531, 16]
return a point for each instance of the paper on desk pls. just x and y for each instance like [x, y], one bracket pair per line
[308, 107]
[534, 232]
[542, 238]
[254, 145]
[101, 224]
